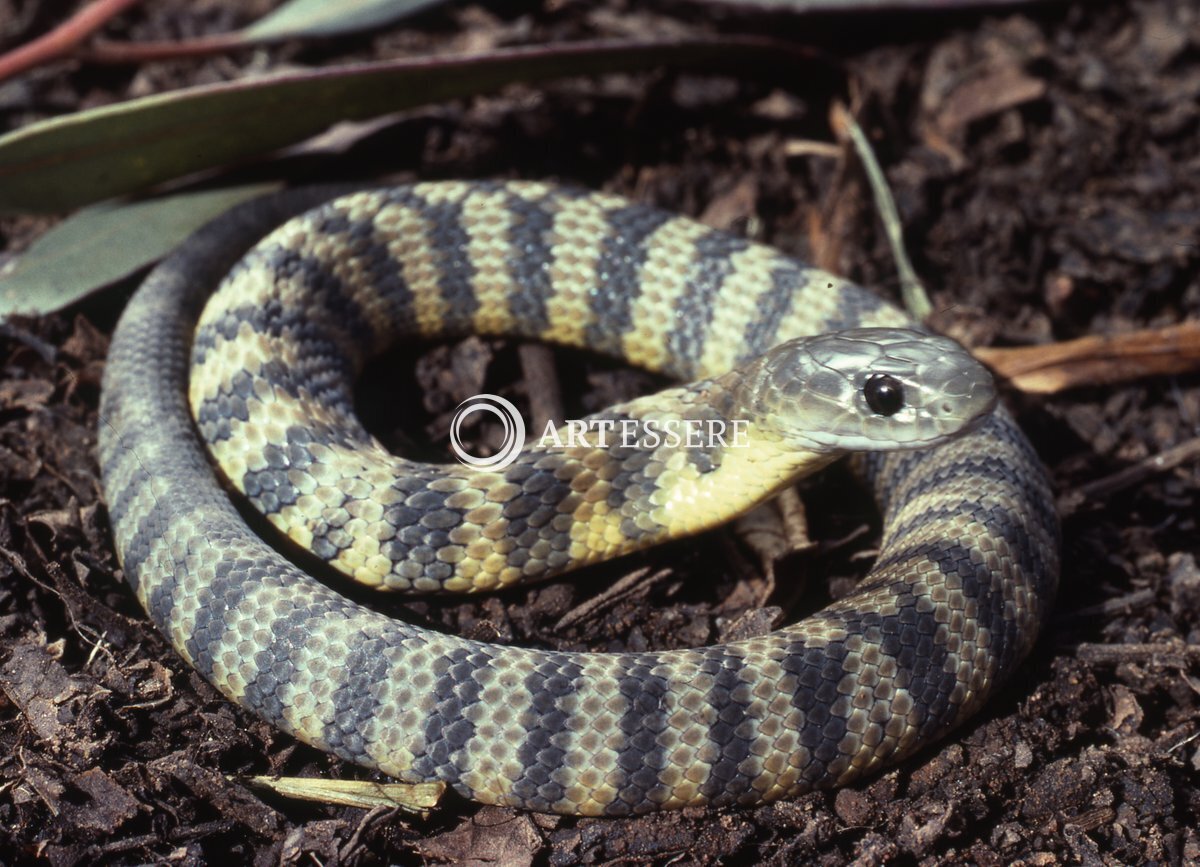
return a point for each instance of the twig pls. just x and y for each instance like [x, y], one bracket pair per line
[177, 835]
[354, 845]
[628, 585]
[1186, 451]
[45, 351]
[802, 147]
[1175, 654]
[1097, 359]
[1182, 743]
[916, 300]
[59, 41]
[541, 383]
[1119, 605]
[109, 51]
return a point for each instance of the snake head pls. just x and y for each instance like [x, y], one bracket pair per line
[868, 389]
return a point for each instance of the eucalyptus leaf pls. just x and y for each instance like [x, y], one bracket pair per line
[66, 162]
[107, 242]
[308, 18]
[833, 6]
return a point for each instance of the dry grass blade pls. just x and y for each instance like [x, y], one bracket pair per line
[916, 301]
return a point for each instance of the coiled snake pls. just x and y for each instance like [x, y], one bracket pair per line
[966, 571]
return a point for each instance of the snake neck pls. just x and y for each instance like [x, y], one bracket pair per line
[672, 464]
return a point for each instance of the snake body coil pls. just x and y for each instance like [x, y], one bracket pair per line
[967, 568]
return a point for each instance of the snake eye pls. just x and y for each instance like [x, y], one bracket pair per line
[884, 394]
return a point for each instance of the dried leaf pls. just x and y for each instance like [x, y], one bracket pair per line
[493, 837]
[355, 793]
[983, 97]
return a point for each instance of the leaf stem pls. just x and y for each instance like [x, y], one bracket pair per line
[62, 39]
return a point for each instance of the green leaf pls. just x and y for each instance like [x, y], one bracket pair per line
[71, 161]
[301, 18]
[105, 243]
[827, 6]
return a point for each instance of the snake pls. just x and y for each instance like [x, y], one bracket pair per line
[251, 335]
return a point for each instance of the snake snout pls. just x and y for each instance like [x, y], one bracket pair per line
[874, 389]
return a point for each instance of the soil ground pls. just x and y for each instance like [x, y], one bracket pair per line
[1046, 162]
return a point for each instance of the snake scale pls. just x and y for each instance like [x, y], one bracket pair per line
[966, 571]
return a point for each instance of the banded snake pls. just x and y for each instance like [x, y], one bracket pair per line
[966, 571]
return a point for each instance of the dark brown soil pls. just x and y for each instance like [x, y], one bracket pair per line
[1046, 161]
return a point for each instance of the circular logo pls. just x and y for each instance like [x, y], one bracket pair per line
[514, 431]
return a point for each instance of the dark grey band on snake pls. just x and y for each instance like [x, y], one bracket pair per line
[965, 575]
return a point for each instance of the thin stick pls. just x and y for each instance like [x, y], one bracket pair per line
[1097, 359]
[62, 39]
[632, 583]
[108, 51]
[1175, 654]
[1186, 451]
[541, 382]
[1109, 607]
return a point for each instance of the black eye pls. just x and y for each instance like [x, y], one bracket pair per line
[884, 394]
